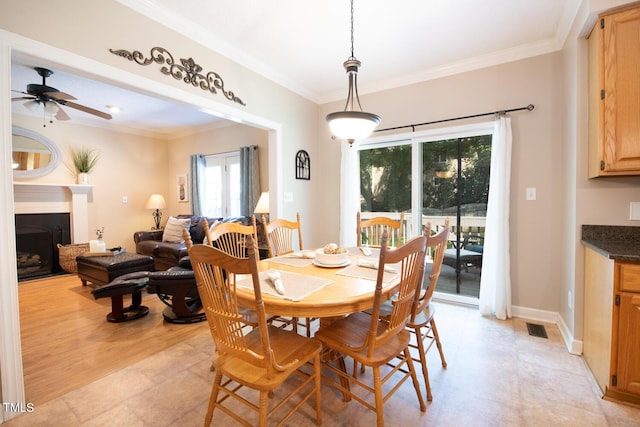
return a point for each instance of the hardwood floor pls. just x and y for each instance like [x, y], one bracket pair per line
[67, 342]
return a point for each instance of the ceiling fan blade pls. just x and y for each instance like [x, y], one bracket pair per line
[59, 95]
[86, 109]
[22, 98]
[62, 115]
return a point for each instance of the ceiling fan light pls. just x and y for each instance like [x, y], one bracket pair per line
[51, 108]
[32, 105]
[352, 125]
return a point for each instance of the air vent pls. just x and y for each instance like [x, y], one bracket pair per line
[536, 330]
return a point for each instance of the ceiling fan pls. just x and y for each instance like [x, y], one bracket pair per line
[52, 99]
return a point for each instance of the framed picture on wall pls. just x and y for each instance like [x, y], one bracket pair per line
[183, 187]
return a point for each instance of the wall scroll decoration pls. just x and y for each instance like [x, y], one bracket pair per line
[187, 71]
[303, 165]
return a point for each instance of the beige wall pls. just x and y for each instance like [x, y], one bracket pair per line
[214, 141]
[536, 267]
[124, 159]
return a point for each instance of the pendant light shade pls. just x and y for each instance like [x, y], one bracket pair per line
[352, 124]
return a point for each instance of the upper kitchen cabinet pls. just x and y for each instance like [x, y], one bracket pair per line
[614, 94]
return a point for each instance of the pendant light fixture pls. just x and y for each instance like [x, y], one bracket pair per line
[352, 124]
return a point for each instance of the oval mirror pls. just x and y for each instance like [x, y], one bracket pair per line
[34, 155]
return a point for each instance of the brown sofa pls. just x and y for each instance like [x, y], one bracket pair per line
[165, 254]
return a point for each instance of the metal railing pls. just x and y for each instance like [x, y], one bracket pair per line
[469, 225]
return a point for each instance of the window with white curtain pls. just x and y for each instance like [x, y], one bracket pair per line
[222, 185]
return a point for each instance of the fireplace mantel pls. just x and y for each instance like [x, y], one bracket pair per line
[56, 198]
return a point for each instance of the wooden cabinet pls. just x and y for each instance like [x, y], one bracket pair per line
[611, 344]
[614, 94]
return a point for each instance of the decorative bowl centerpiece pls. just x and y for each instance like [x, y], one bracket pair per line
[332, 254]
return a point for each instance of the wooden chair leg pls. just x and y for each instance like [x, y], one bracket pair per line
[377, 388]
[436, 337]
[423, 360]
[414, 378]
[213, 398]
[317, 368]
[308, 325]
[343, 380]
[262, 418]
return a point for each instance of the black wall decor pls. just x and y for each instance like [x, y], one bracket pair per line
[187, 70]
[303, 165]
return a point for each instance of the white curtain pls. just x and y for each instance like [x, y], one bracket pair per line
[495, 282]
[349, 193]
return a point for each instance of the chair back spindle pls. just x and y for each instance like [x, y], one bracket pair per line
[370, 230]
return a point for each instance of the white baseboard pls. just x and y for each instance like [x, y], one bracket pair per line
[574, 346]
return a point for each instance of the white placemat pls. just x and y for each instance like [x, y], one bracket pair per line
[293, 261]
[369, 273]
[297, 286]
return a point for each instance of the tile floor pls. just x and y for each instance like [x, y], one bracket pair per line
[497, 375]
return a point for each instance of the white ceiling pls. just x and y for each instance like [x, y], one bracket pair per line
[301, 44]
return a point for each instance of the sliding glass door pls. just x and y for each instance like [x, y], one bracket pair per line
[454, 167]
[455, 175]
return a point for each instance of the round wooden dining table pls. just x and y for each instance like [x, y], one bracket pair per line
[345, 295]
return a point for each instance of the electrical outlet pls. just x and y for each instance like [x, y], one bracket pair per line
[125, 199]
[531, 193]
[288, 196]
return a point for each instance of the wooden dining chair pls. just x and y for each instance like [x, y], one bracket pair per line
[280, 235]
[370, 230]
[261, 359]
[230, 238]
[422, 323]
[373, 341]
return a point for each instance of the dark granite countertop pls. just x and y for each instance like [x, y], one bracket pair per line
[615, 242]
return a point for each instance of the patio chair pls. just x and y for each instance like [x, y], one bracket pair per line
[262, 359]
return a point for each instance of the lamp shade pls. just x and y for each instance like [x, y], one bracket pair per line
[263, 204]
[32, 105]
[156, 201]
[352, 125]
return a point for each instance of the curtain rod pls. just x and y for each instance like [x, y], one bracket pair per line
[499, 112]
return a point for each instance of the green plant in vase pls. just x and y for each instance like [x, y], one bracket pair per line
[84, 160]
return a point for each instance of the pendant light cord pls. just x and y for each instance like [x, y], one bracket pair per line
[352, 55]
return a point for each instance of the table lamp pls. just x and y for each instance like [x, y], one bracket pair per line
[263, 206]
[156, 202]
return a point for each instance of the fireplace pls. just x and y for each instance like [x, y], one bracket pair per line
[37, 237]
